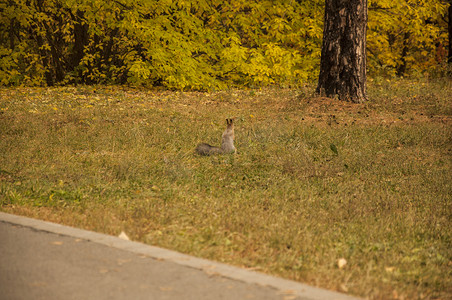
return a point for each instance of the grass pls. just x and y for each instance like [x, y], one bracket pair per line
[314, 180]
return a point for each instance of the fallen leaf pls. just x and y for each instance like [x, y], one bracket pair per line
[344, 288]
[123, 236]
[389, 269]
[341, 262]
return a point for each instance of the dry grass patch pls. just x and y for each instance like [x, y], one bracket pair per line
[314, 180]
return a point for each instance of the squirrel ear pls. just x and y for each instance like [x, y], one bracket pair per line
[230, 122]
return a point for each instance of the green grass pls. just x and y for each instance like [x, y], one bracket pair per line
[314, 179]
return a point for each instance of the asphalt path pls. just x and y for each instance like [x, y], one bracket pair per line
[42, 260]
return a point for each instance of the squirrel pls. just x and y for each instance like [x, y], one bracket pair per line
[227, 142]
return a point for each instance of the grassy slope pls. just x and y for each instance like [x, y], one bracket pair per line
[314, 179]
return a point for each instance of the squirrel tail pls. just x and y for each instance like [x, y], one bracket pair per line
[206, 149]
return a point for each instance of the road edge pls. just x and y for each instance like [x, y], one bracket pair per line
[285, 286]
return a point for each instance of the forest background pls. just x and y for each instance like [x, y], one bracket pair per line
[204, 44]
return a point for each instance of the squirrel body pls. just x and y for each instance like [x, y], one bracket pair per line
[227, 142]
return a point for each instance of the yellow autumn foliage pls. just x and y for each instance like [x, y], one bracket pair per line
[200, 44]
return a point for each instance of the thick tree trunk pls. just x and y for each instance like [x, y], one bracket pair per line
[343, 60]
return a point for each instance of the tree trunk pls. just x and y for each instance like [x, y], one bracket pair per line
[80, 38]
[343, 60]
[449, 55]
[401, 68]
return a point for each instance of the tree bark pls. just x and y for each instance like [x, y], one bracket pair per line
[80, 37]
[449, 55]
[401, 68]
[343, 59]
